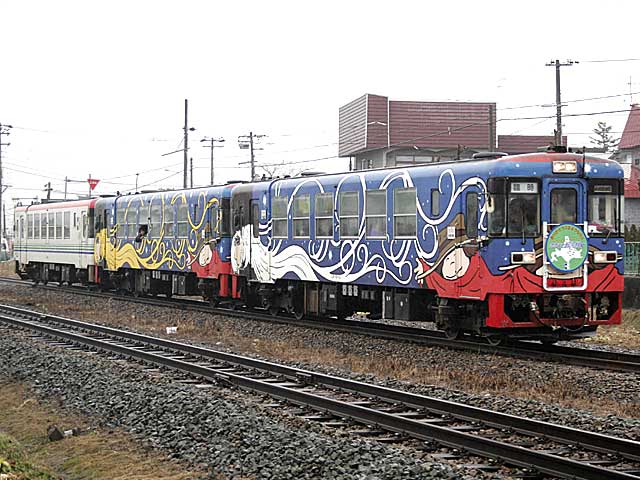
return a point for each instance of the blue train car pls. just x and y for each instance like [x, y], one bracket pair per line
[169, 242]
[527, 245]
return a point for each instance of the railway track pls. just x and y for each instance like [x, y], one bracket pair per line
[546, 448]
[605, 360]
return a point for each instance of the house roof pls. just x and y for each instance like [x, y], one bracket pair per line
[525, 143]
[631, 181]
[631, 134]
[373, 121]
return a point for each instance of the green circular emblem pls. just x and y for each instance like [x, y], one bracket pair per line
[566, 247]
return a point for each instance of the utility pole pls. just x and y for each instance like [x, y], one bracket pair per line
[47, 188]
[557, 65]
[185, 147]
[4, 130]
[212, 145]
[191, 170]
[247, 141]
[66, 180]
[137, 174]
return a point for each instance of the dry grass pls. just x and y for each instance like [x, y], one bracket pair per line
[493, 376]
[96, 454]
[627, 334]
[8, 269]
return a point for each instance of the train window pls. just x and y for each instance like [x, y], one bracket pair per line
[376, 213]
[59, 225]
[471, 217]
[255, 218]
[604, 214]
[324, 215]
[131, 219]
[564, 205]
[67, 225]
[301, 215]
[279, 216]
[523, 209]
[121, 220]
[21, 227]
[349, 214]
[214, 219]
[404, 213]
[30, 226]
[36, 225]
[225, 227]
[435, 202]
[168, 219]
[91, 225]
[155, 218]
[183, 220]
[51, 222]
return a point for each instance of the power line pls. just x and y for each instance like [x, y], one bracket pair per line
[612, 60]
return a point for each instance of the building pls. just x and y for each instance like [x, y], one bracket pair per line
[629, 145]
[628, 154]
[377, 132]
[516, 144]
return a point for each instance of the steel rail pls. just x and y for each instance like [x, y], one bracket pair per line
[547, 463]
[614, 361]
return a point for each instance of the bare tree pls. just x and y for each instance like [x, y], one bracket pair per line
[603, 138]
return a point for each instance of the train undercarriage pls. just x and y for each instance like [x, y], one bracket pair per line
[545, 317]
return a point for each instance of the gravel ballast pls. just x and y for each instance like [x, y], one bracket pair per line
[588, 386]
[221, 428]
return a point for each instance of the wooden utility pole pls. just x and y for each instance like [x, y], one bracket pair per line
[4, 130]
[185, 147]
[557, 65]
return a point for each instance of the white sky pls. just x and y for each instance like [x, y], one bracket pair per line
[98, 87]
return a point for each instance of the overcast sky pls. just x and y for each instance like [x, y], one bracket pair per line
[98, 87]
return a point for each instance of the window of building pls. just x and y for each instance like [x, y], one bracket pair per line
[168, 220]
[349, 214]
[183, 220]
[279, 217]
[58, 225]
[435, 202]
[376, 213]
[471, 217]
[324, 215]
[301, 215]
[404, 212]
[67, 225]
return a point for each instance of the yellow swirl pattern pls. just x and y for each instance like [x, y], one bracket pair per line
[163, 252]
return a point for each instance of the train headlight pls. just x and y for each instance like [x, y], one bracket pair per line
[605, 257]
[523, 258]
[563, 166]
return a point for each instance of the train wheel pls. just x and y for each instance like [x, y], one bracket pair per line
[496, 340]
[452, 333]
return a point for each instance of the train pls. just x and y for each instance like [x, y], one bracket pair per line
[497, 246]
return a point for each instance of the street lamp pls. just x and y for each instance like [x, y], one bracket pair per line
[212, 145]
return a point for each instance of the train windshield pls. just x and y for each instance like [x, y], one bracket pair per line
[514, 208]
[604, 210]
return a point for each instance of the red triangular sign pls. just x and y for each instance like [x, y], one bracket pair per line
[92, 182]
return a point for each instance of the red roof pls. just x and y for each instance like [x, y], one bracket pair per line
[631, 179]
[631, 134]
[525, 143]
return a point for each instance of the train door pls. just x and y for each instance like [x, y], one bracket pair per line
[255, 250]
[22, 243]
[466, 280]
[565, 245]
